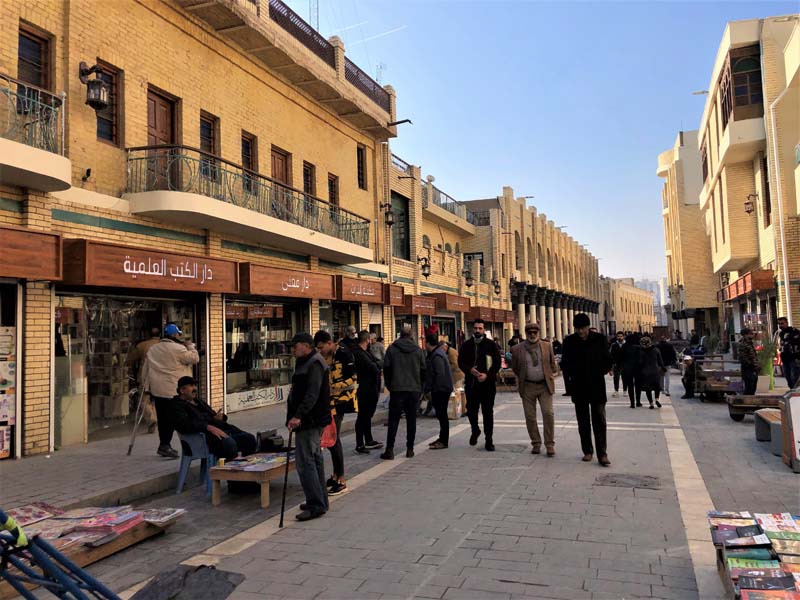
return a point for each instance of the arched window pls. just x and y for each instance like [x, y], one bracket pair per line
[426, 241]
[747, 81]
[458, 248]
[448, 248]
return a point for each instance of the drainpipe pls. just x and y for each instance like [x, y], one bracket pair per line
[778, 189]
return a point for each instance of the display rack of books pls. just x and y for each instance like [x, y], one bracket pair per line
[8, 383]
[758, 554]
[86, 535]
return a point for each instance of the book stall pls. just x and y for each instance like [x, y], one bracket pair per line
[258, 469]
[758, 554]
[87, 535]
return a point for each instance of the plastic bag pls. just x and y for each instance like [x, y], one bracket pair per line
[328, 435]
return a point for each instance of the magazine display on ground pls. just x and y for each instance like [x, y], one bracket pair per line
[758, 554]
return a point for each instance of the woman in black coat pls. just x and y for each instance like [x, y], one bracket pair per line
[631, 357]
[651, 367]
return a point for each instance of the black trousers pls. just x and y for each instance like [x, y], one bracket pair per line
[399, 403]
[481, 397]
[592, 417]
[629, 384]
[164, 414]
[367, 403]
[688, 386]
[229, 447]
[617, 375]
[337, 452]
[750, 378]
[440, 401]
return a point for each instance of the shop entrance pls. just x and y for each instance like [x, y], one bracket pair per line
[96, 371]
[334, 317]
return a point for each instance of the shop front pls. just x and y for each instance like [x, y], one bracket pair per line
[501, 318]
[274, 305]
[29, 255]
[413, 309]
[110, 300]
[449, 317]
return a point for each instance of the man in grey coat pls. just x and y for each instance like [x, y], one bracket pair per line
[439, 383]
[404, 373]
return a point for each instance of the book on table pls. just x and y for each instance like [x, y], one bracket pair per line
[783, 535]
[749, 541]
[777, 522]
[739, 572]
[748, 563]
[718, 536]
[727, 514]
[749, 530]
[718, 522]
[767, 583]
[769, 595]
[162, 516]
[752, 553]
[789, 559]
[786, 547]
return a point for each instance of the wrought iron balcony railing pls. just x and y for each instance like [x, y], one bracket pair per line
[31, 115]
[442, 200]
[401, 165]
[185, 169]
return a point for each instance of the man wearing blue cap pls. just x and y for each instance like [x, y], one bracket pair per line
[166, 362]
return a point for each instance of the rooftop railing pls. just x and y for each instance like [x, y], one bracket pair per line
[186, 169]
[366, 84]
[400, 164]
[302, 31]
[439, 198]
[482, 218]
[31, 115]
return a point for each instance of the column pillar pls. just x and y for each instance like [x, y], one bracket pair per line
[533, 314]
[551, 323]
[570, 312]
[520, 291]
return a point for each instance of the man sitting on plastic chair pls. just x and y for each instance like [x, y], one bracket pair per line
[191, 415]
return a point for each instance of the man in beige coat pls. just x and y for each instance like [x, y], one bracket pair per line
[534, 365]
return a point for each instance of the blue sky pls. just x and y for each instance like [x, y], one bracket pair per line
[570, 102]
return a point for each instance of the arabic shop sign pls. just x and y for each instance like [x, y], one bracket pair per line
[358, 290]
[95, 263]
[267, 281]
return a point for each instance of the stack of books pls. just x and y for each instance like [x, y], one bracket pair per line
[759, 553]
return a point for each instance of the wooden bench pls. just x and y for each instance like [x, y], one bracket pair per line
[764, 418]
[740, 405]
[226, 473]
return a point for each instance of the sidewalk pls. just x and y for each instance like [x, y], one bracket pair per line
[100, 473]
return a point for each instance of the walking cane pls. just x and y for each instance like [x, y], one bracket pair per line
[137, 420]
[285, 478]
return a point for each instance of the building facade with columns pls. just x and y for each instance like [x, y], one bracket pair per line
[750, 173]
[625, 307]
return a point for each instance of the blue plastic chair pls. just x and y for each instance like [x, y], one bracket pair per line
[194, 447]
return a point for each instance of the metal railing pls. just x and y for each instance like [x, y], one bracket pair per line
[365, 83]
[302, 31]
[31, 115]
[451, 205]
[482, 218]
[186, 169]
[401, 165]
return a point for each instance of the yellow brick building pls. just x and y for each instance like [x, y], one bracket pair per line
[690, 275]
[749, 196]
[625, 307]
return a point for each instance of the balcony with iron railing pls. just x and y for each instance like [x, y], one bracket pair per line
[446, 211]
[32, 137]
[328, 75]
[401, 165]
[192, 187]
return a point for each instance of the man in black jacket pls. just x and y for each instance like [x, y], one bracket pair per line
[617, 356]
[479, 360]
[190, 415]
[669, 357]
[368, 371]
[439, 383]
[587, 360]
[308, 411]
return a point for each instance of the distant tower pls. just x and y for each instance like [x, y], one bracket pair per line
[313, 13]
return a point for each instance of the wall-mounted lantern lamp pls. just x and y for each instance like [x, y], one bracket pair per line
[426, 266]
[469, 280]
[388, 214]
[496, 284]
[97, 92]
[750, 203]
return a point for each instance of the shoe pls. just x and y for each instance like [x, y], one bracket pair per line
[566, 394]
[167, 452]
[666, 393]
[304, 506]
[651, 406]
[587, 457]
[489, 446]
[473, 439]
[152, 427]
[615, 394]
[331, 482]
[410, 453]
[658, 404]
[437, 445]
[536, 450]
[337, 488]
[307, 515]
[551, 451]
[639, 404]
[388, 454]
[361, 450]
[633, 406]
[603, 460]
[373, 445]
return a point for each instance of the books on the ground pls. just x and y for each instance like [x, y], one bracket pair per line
[790, 568]
[33, 513]
[751, 540]
[718, 536]
[749, 563]
[789, 558]
[752, 553]
[786, 546]
[749, 530]
[730, 523]
[726, 514]
[767, 583]
[769, 595]
[777, 522]
[111, 522]
[50, 529]
[738, 572]
[162, 516]
[783, 535]
[89, 512]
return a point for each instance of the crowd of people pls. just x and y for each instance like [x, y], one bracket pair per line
[334, 378]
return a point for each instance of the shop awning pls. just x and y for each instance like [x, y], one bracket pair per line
[393, 295]
[268, 281]
[763, 279]
[351, 289]
[451, 302]
[30, 254]
[417, 305]
[89, 262]
[480, 312]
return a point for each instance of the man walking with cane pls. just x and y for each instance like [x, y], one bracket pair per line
[479, 360]
[308, 411]
[534, 366]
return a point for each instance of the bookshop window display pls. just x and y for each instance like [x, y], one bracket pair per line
[334, 317]
[96, 376]
[259, 362]
[8, 367]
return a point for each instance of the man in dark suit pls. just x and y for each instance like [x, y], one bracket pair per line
[586, 360]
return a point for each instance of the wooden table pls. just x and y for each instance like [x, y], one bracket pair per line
[740, 405]
[225, 473]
